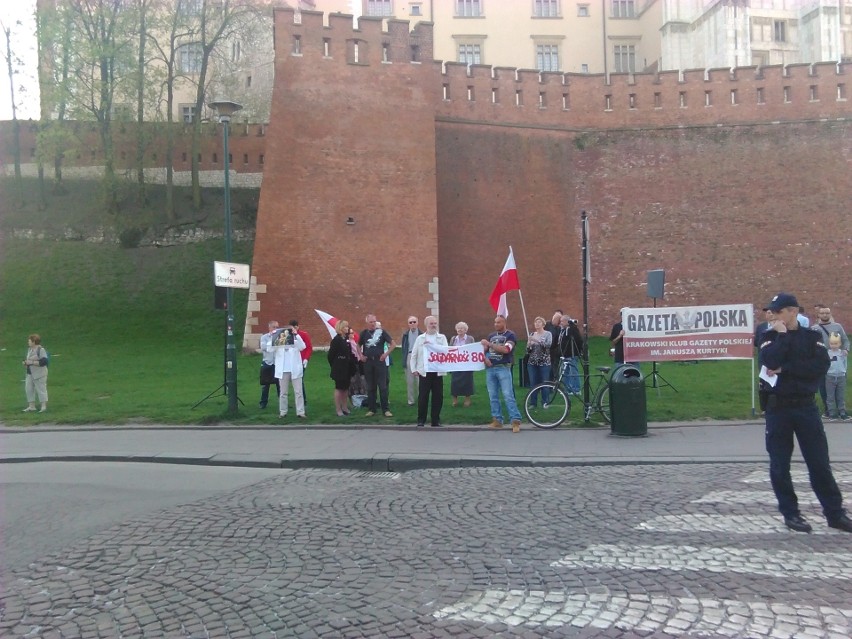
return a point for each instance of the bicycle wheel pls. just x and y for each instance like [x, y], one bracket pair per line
[602, 402]
[551, 414]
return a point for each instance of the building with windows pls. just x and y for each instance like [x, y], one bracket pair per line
[626, 36]
[701, 34]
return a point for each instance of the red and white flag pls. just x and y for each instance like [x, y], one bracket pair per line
[329, 321]
[508, 282]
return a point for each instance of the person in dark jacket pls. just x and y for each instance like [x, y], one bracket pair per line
[341, 359]
[570, 348]
[796, 360]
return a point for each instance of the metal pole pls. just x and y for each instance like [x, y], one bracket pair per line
[584, 222]
[230, 348]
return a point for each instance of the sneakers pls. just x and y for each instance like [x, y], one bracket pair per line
[844, 417]
[830, 418]
[798, 523]
[516, 425]
[30, 409]
[841, 523]
[495, 423]
[388, 413]
[369, 413]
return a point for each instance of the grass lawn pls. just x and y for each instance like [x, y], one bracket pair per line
[133, 338]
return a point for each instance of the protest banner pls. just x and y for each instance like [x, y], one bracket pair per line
[448, 359]
[682, 333]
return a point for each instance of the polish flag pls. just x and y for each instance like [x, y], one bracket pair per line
[508, 282]
[329, 321]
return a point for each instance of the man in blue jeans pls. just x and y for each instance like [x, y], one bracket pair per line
[499, 348]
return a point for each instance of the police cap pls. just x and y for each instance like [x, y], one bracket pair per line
[782, 300]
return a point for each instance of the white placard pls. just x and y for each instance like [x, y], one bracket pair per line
[230, 275]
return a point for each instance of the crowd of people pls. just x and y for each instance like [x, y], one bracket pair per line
[359, 365]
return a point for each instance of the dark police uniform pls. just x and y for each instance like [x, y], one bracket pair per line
[791, 410]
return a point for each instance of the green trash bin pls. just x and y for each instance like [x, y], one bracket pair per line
[628, 411]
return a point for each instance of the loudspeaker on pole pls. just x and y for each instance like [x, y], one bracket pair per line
[220, 297]
[656, 283]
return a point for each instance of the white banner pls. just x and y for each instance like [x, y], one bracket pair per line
[447, 359]
[688, 332]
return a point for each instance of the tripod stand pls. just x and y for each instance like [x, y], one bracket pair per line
[657, 380]
[224, 385]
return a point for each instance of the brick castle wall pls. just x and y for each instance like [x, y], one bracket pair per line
[359, 147]
[733, 181]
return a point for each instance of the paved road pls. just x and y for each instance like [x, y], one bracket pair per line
[49, 506]
[578, 551]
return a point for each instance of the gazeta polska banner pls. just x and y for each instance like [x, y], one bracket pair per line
[688, 332]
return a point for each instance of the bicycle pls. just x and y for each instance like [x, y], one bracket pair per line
[554, 411]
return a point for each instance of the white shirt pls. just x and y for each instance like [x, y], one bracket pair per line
[288, 359]
[417, 361]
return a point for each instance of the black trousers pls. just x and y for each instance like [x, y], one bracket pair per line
[376, 372]
[432, 384]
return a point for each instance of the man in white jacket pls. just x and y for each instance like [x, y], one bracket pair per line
[430, 383]
[288, 369]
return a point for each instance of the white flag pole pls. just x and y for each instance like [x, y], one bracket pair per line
[521, 296]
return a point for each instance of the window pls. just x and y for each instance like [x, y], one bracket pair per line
[248, 81]
[623, 8]
[189, 8]
[547, 57]
[468, 8]
[189, 57]
[187, 112]
[625, 58]
[379, 7]
[583, 11]
[470, 54]
[780, 31]
[546, 8]
[584, 68]
[416, 10]
[235, 51]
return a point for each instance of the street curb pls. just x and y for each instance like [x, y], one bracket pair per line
[383, 463]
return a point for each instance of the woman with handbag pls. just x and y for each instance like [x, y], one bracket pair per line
[36, 381]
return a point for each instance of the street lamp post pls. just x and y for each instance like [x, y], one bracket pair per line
[225, 109]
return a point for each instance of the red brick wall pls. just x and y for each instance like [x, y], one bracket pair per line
[247, 144]
[347, 140]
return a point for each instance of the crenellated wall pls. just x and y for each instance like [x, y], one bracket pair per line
[693, 98]
[735, 182]
[347, 219]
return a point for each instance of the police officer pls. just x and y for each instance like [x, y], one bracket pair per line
[798, 360]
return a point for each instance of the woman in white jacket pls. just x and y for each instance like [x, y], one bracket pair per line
[288, 369]
[429, 383]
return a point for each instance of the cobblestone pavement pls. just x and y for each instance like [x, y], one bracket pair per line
[608, 551]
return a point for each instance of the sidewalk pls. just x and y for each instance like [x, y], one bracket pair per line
[398, 448]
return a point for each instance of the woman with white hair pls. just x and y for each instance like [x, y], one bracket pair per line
[461, 384]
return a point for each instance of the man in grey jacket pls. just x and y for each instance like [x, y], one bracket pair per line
[825, 326]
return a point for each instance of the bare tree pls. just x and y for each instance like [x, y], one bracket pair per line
[219, 20]
[11, 62]
[171, 29]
